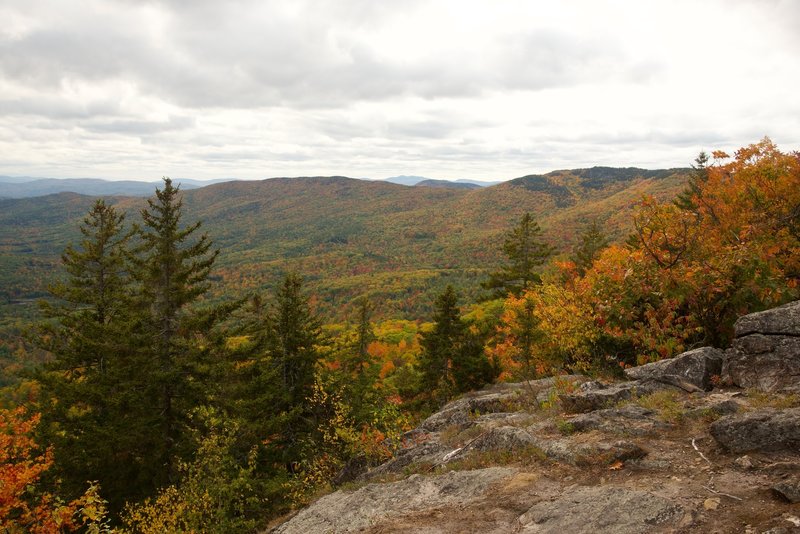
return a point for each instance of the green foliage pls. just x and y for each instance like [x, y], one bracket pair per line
[131, 352]
[592, 242]
[83, 396]
[687, 199]
[452, 358]
[170, 266]
[526, 253]
[217, 492]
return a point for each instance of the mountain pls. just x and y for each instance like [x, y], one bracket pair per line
[447, 184]
[476, 182]
[430, 182]
[11, 187]
[397, 245]
[405, 180]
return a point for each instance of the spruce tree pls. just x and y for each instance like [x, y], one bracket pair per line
[171, 265]
[83, 411]
[593, 241]
[452, 358]
[526, 252]
[274, 374]
[358, 373]
[687, 199]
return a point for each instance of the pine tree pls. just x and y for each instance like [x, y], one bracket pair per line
[526, 252]
[687, 199]
[171, 268]
[274, 374]
[452, 358]
[83, 413]
[593, 241]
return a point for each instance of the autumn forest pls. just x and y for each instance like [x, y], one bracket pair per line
[209, 360]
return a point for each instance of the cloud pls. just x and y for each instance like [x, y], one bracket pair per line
[438, 87]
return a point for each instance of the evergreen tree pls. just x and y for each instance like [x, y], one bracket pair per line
[451, 361]
[275, 374]
[687, 199]
[526, 252]
[358, 373]
[593, 241]
[84, 413]
[171, 267]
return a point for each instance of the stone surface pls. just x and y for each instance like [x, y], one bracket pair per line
[783, 320]
[596, 453]
[629, 419]
[352, 511]
[763, 430]
[596, 396]
[788, 490]
[601, 509]
[455, 413]
[692, 370]
[769, 363]
[505, 438]
[430, 451]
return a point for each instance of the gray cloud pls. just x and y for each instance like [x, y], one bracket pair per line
[358, 87]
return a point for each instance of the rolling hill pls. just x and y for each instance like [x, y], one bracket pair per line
[399, 245]
[11, 187]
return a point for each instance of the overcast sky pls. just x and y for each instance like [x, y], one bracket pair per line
[445, 89]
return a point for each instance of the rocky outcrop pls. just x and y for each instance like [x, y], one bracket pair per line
[691, 371]
[353, 511]
[763, 430]
[503, 398]
[596, 395]
[765, 353]
[630, 419]
[788, 489]
[591, 510]
[596, 457]
[782, 320]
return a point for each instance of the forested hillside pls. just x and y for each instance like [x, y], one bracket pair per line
[398, 245]
[368, 307]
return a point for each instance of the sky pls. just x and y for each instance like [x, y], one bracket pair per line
[492, 90]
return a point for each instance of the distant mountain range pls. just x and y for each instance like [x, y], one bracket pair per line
[396, 244]
[26, 186]
[431, 182]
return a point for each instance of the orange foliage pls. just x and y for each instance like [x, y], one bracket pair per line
[686, 276]
[22, 508]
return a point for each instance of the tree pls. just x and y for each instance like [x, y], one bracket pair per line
[687, 199]
[275, 371]
[452, 359]
[593, 241]
[172, 338]
[526, 252]
[87, 332]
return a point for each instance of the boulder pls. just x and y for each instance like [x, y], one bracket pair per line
[598, 509]
[630, 419]
[692, 370]
[504, 438]
[765, 354]
[596, 395]
[454, 413]
[763, 430]
[783, 320]
[788, 490]
[569, 451]
[769, 363]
